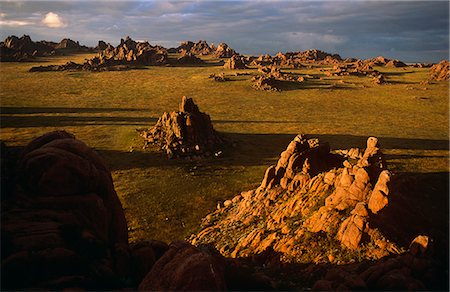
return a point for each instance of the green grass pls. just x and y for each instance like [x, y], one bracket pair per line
[165, 199]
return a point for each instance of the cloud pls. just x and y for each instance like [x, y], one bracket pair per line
[414, 30]
[14, 23]
[53, 20]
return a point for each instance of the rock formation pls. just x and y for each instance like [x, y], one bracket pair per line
[203, 48]
[185, 133]
[272, 79]
[101, 46]
[224, 51]
[395, 64]
[189, 59]
[63, 228]
[309, 193]
[14, 49]
[440, 71]
[235, 62]
[64, 225]
[318, 206]
[128, 54]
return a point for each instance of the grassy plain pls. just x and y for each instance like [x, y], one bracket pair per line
[165, 199]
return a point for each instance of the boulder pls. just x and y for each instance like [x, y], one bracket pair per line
[64, 226]
[185, 268]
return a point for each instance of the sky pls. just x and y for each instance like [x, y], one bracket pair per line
[412, 31]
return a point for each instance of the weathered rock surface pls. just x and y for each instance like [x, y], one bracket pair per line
[203, 48]
[63, 226]
[440, 71]
[224, 51]
[185, 133]
[309, 191]
[235, 62]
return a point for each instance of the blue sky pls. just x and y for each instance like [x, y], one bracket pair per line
[411, 31]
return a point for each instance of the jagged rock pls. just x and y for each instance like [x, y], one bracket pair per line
[440, 71]
[101, 46]
[235, 62]
[308, 195]
[190, 59]
[351, 230]
[224, 51]
[379, 197]
[14, 49]
[187, 132]
[128, 54]
[395, 64]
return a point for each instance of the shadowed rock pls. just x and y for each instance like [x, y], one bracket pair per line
[64, 226]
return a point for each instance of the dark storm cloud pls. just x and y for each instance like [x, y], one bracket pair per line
[408, 30]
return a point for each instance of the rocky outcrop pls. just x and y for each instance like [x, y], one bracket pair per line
[272, 79]
[440, 71]
[235, 62]
[185, 133]
[127, 55]
[310, 198]
[101, 46]
[203, 48]
[64, 225]
[14, 49]
[224, 51]
[395, 64]
[199, 48]
[63, 228]
[189, 59]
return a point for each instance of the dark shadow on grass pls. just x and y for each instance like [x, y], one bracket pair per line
[67, 121]
[259, 150]
[57, 110]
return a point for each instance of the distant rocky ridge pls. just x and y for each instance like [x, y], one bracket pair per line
[15, 49]
[202, 48]
[128, 54]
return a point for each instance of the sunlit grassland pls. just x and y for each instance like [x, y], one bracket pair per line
[165, 199]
